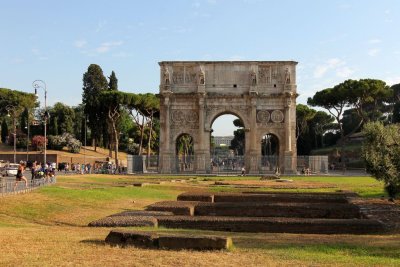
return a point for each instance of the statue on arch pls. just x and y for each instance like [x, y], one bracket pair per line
[166, 76]
[253, 78]
[287, 76]
[201, 77]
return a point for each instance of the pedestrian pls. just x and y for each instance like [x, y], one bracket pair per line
[20, 176]
[243, 171]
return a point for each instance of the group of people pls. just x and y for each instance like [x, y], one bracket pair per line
[38, 170]
[79, 168]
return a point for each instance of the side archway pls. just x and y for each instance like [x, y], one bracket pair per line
[270, 153]
[184, 151]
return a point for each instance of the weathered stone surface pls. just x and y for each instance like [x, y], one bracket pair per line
[194, 93]
[299, 210]
[131, 238]
[165, 241]
[194, 242]
[125, 221]
[299, 198]
[273, 225]
[341, 194]
[176, 207]
[203, 197]
[142, 213]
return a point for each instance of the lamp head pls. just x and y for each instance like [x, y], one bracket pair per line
[36, 94]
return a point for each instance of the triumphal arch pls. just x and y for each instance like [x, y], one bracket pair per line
[261, 93]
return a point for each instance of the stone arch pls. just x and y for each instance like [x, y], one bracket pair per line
[216, 114]
[251, 90]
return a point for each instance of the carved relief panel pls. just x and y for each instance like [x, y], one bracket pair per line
[190, 75]
[266, 116]
[187, 119]
[178, 75]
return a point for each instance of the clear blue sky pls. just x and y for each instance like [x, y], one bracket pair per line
[57, 40]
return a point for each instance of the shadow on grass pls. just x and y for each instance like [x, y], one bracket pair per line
[97, 242]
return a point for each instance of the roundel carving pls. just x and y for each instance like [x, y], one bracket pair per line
[177, 116]
[263, 116]
[192, 116]
[277, 116]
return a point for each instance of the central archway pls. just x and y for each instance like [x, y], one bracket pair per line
[193, 94]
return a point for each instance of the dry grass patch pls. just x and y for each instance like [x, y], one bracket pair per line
[35, 231]
[278, 185]
[82, 246]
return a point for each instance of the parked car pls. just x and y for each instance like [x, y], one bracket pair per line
[10, 170]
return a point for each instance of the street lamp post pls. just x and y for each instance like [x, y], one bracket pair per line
[27, 141]
[84, 150]
[12, 108]
[41, 84]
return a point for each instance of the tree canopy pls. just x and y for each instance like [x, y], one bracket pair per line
[94, 83]
[17, 99]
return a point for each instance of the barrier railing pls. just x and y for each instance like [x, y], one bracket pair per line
[8, 186]
[216, 164]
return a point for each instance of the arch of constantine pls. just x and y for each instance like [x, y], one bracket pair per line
[262, 94]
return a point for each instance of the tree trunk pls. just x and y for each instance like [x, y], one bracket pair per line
[149, 141]
[141, 137]
[94, 143]
[116, 141]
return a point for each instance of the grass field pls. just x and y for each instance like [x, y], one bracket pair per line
[47, 227]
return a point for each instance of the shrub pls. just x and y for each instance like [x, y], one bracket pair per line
[133, 148]
[56, 142]
[73, 144]
[38, 142]
[381, 151]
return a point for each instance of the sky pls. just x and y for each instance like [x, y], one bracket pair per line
[56, 41]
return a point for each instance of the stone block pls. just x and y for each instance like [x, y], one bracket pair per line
[176, 207]
[124, 221]
[262, 209]
[277, 197]
[131, 238]
[274, 225]
[195, 242]
[142, 213]
[203, 197]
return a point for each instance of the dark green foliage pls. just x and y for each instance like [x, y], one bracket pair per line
[238, 141]
[62, 119]
[79, 123]
[381, 151]
[113, 82]
[311, 126]
[4, 131]
[55, 142]
[18, 100]
[396, 103]
[94, 83]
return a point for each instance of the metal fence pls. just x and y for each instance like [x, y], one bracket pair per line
[223, 164]
[9, 186]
